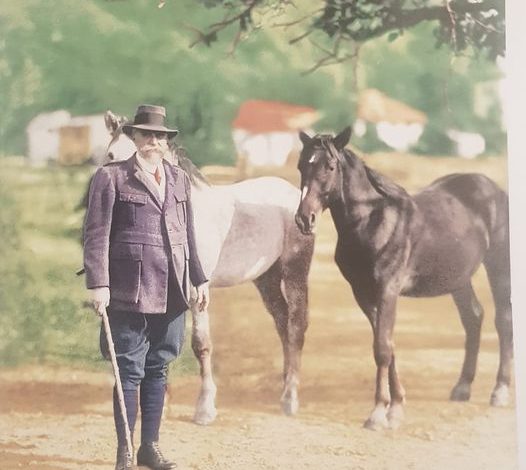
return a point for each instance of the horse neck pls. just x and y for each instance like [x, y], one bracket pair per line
[354, 198]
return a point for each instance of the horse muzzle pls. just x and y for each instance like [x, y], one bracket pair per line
[306, 223]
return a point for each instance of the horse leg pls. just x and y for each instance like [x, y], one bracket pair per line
[471, 315]
[395, 415]
[497, 265]
[271, 286]
[205, 410]
[383, 324]
[295, 289]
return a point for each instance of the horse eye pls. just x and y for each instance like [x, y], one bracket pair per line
[111, 156]
[329, 166]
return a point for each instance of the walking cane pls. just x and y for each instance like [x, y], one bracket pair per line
[118, 384]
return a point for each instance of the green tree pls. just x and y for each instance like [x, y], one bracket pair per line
[462, 24]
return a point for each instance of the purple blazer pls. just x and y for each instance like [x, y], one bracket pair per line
[144, 251]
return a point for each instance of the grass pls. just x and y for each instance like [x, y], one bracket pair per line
[42, 301]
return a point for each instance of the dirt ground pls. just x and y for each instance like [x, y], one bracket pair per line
[53, 418]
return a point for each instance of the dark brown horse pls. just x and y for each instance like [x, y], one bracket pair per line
[391, 244]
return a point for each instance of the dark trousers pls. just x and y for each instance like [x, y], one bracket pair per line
[144, 345]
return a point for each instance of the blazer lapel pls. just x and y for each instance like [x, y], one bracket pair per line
[143, 178]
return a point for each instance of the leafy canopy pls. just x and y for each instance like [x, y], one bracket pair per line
[462, 24]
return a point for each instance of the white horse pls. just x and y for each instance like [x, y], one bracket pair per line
[245, 232]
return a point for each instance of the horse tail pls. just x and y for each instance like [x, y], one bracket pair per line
[500, 229]
[497, 259]
[82, 205]
[497, 263]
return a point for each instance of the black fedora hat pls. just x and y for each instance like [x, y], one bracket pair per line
[149, 117]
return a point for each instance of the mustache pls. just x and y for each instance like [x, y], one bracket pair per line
[158, 148]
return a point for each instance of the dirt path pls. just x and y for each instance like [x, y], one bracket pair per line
[62, 419]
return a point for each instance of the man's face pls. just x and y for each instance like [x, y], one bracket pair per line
[150, 144]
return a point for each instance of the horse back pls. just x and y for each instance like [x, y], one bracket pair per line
[477, 193]
[457, 217]
[243, 229]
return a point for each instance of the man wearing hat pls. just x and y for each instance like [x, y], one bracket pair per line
[140, 260]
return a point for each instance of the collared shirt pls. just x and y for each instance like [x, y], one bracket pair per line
[149, 169]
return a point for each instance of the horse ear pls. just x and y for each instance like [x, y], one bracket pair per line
[305, 139]
[112, 121]
[342, 139]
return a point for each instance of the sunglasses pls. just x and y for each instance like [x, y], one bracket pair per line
[158, 134]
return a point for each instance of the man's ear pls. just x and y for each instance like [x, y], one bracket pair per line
[342, 139]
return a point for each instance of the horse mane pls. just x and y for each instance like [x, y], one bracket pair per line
[381, 184]
[385, 186]
[182, 160]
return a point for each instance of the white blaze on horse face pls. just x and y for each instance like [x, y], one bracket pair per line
[304, 192]
[313, 158]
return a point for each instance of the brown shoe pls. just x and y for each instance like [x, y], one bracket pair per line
[124, 459]
[149, 455]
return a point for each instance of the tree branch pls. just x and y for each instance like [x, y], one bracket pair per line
[404, 19]
[211, 35]
[331, 57]
[453, 23]
[459, 21]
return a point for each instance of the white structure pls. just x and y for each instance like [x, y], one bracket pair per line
[397, 125]
[266, 132]
[269, 148]
[42, 136]
[468, 144]
[98, 134]
[60, 137]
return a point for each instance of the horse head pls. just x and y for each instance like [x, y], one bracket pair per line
[319, 167]
[120, 146]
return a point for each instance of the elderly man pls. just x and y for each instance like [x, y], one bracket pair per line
[140, 258]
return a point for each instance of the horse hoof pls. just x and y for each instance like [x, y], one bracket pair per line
[461, 392]
[204, 418]
[395, 416]
[374, 425]
[290, 407]
[376, 422]
[500, 397]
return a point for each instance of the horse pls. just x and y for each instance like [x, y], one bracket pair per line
[390, 244]
[244, 232]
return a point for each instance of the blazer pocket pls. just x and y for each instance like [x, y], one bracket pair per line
[180, 205]
[126, 213]
[125, 271]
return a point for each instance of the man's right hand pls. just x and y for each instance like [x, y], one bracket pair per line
[100, 299]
